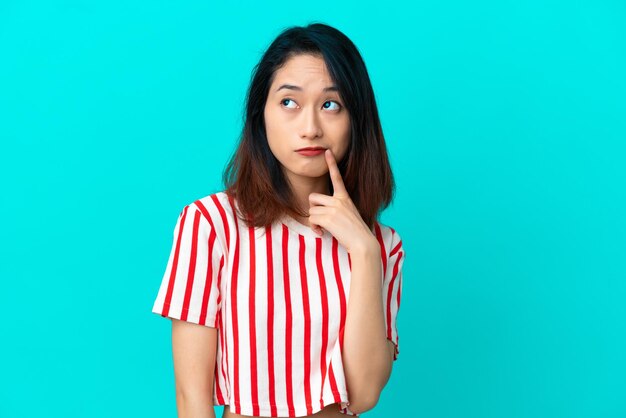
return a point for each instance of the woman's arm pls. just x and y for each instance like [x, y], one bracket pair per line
[367, 353]
[194, 348]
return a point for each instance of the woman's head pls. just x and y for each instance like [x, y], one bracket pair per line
[311, 88]
[304, 109]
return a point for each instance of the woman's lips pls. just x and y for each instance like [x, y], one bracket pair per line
[311, 152]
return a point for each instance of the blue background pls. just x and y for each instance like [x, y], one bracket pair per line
[505, 123]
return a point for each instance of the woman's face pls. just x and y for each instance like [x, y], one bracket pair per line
[300, 113]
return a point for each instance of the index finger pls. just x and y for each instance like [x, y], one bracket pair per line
[335, 175]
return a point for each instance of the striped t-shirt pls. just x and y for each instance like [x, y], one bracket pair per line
[278, 297]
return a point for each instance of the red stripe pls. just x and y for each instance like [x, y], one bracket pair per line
[395, 249]
[233, 298]
[219, 323]
[170, 284]
[252, 322]
[333, 383]
[389, 293]
[307, 327]
[222, 212]
[288, 322]
[342, 315]
[270, 320]
[322, 280]
[399, 287]
[226, 228]
[224, 356]
[219, 289]
[192, 266]
[206, 214]
[397, 309]
[342, 295]
[218, 391]
[383, 255]
[208, 283]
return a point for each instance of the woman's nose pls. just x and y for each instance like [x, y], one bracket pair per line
[310, 124]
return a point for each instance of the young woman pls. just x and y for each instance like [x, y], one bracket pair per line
[284, 289]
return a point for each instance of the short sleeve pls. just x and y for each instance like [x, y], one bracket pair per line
[392, 289]
[190, 287]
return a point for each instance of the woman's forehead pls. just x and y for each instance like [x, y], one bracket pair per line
[303, 72]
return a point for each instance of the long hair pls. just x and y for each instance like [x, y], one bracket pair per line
[253, 176]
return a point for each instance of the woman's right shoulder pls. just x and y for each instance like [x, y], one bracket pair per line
[215, 205]
[218, 210]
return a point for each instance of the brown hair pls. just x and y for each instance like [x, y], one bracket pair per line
[254, 177]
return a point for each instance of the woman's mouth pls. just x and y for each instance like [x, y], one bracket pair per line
[311, 152]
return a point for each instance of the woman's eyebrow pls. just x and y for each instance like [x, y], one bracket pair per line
[298, 88]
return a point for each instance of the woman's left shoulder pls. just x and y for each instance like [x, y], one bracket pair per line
[387, 236]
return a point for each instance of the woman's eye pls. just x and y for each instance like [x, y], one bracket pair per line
[286, 100]
[337, 105]
[332, 101]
